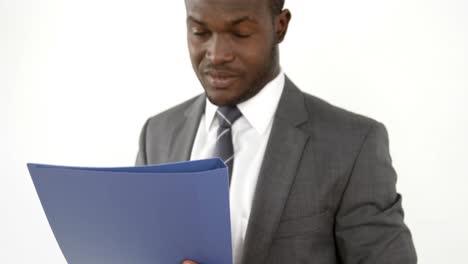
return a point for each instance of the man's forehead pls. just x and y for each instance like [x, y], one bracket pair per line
[225, 5]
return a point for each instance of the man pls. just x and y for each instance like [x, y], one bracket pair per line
[310, 183]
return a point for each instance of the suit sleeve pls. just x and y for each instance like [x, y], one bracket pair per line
[369, 225]
[141, 156]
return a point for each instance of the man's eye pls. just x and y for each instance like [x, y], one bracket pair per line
[241, 35]
[199, 32]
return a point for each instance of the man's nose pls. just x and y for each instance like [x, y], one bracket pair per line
[219, 50]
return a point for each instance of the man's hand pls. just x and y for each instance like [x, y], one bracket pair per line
[189, 262]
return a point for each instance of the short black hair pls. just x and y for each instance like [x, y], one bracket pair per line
[276, 6]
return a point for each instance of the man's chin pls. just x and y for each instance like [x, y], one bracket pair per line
[222, 100]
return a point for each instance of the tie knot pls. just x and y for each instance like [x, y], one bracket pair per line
[227, 115]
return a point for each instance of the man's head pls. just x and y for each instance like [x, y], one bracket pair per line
[233, 45]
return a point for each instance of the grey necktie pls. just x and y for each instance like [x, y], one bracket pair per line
[224, 149]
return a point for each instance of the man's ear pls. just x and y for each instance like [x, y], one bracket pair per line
[281, 24]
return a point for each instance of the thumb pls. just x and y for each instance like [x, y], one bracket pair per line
[189, 262]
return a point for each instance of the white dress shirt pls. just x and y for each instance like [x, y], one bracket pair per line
[250, 136]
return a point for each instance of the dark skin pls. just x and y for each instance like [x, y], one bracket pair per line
[233, 47]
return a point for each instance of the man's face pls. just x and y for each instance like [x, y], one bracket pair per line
[232, 45]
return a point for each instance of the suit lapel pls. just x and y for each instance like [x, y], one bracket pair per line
[282, 156]
[185, 130]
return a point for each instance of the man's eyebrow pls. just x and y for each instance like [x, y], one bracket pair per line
[243, 19]
[191, 18]
[233, 22]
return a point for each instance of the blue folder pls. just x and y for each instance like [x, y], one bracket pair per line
[138, 215]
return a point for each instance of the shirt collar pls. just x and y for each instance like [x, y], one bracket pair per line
[258, 110]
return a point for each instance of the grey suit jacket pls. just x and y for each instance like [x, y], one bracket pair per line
[326, 190]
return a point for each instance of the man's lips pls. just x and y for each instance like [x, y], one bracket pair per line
[220, 79]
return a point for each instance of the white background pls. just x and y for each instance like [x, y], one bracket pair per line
[79, 78]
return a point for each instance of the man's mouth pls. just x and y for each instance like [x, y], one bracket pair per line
[220, 80]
